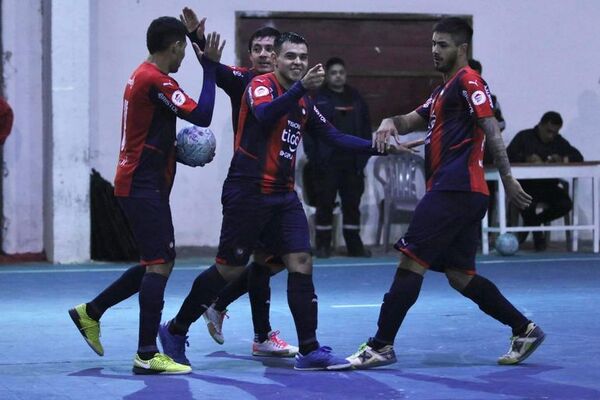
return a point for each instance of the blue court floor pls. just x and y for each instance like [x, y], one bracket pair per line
[446, 349]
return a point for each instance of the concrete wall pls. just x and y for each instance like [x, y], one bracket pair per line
[535, 54]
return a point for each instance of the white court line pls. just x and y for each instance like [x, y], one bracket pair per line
[333, 265]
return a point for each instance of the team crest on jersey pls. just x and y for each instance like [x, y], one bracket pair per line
[261, 91]
[478, 97]
[178, 98]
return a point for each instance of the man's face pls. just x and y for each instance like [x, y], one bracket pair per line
[177, 55]
[261, 54]
[445, 51]
[548, 131]
[292, 61]
[336, 76]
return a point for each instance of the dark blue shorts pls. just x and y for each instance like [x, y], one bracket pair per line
[444, 231]
[152, 226]
[272, 223]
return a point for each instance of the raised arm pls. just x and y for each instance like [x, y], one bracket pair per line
[493, 137]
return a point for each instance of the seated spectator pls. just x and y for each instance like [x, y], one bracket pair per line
[336, 170]
[543, 144]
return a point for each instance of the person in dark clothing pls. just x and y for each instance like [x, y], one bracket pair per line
[544, 144]
[339, 170]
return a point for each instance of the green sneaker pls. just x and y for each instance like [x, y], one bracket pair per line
[159, 364]
[89, 328]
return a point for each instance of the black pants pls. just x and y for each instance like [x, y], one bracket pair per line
[549, 192]
[342, 178]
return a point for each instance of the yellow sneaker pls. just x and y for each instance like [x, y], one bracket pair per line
[159, 364]
[88, 327]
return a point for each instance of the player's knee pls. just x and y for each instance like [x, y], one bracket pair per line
[299, 262]
[458, 279]
[161, 269]
[228, 272]
[411, 265]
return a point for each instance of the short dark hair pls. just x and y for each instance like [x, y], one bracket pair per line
[476, 65]
[265, 31]
[334, 61]
[291, 37]
[458, 28]
[163, 32]
[553, 117]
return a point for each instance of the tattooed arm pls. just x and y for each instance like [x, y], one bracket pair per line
[514, 191]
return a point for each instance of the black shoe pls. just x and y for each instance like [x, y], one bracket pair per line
[539, 241]
[323, 252]
[365, 253]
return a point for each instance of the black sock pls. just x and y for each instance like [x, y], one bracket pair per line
[204, 291]
[302, 301]
[126, 286]
[232, 291]
[396, 302]
[260, 299]
[489, 299]
[152, 293]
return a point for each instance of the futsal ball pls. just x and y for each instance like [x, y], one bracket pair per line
[195, 146]
[507, 244]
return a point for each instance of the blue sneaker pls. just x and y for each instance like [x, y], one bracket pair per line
[320, 359]
[173, 345]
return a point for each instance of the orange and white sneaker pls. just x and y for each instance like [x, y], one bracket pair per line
[274, 346]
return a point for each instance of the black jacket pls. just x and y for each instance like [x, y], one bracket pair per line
[320, 153]
[527, 142]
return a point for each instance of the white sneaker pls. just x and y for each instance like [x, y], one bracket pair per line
[523, 345]
[368, 357]
[274, 346]
[214, 323]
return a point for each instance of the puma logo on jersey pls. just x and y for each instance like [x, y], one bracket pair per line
[473, 83]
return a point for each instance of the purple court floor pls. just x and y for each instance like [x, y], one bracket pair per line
[446, 349]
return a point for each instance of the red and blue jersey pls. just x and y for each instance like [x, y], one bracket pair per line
[151, 104]
[271, 123]
[454, 144]
[233, 81]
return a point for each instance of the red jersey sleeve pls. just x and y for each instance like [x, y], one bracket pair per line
[170, 94]
[259, 91]
[477, 94]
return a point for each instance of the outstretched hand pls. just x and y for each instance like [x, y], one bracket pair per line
[314, 78]
[192, 23]
[394, 146]
[212, 50]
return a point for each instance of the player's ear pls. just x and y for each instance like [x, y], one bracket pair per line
[463, 49]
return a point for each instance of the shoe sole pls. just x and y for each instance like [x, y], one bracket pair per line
[75, 317]
[338, 367]
[273, 354]
[144, 371]
[375, 365]
[526, 355]
[212, 332]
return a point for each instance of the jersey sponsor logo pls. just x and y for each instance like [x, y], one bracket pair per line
[166, 102]
[478, 97]
[178, 98]
[237, 73]
[291, 135]
[130, 82]
[466, 96]
[261, 91]
[319, 115]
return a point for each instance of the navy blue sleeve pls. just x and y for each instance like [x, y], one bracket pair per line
[231, 83]
[269, 112]
[318, 125]
[202, 114]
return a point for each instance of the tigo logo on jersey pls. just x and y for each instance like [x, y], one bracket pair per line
[478, 98]
[178, 98]
[261, 91]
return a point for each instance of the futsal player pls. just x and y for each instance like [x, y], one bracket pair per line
[260, 205]
[233, 81]
[443, 233]
[145, 172]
